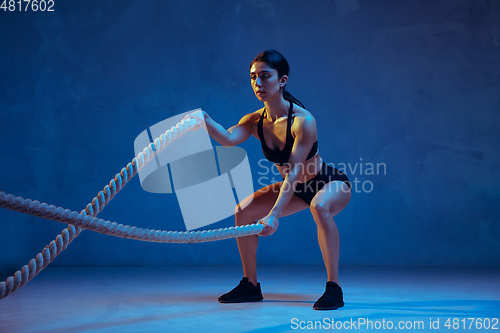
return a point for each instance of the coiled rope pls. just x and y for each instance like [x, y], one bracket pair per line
[86, 219]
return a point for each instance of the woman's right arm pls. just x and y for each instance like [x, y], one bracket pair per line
[231, 137]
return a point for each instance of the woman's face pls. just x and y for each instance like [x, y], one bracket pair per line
[265, 81]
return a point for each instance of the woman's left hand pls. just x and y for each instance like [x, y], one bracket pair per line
[270, 225]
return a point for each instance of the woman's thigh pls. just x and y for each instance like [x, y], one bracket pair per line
[258, 205]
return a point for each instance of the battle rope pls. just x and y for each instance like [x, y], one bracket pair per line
[86, 219]
[119, 230]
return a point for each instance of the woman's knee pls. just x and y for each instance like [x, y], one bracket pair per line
[321, 214]
[247, 214]
[330, 200]
[318, 207]
[240, 216]
[256, 206]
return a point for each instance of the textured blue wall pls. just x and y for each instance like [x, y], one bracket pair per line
[411, 85]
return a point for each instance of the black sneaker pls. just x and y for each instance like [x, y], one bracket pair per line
[332, 299]
[244, 292]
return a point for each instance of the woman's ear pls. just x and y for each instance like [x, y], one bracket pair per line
[283, 81]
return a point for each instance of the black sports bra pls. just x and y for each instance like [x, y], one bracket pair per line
[281, 157]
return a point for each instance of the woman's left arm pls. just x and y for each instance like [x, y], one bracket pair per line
[305, 136]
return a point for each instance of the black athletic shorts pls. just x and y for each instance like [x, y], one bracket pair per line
[306, 191]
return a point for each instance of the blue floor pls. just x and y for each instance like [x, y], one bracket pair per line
[184, 299]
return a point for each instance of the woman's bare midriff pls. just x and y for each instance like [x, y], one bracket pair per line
[310, 169]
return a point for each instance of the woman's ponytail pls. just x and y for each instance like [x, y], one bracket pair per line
[289, 97]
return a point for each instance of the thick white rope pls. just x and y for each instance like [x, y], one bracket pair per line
[83, 221]
[86, 219]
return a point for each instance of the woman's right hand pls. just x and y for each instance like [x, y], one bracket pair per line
[199, 115]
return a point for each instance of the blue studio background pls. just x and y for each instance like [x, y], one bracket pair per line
[413, 86]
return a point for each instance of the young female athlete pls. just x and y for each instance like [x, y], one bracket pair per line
[287, 132]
